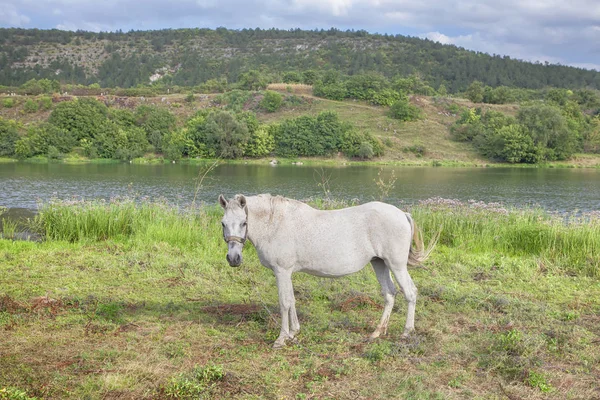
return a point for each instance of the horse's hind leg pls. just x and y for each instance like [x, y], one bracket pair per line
[409, 289]
[388, 290]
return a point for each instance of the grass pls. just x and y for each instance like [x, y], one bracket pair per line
[137, 301]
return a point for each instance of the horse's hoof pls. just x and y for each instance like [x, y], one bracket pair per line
[406, 335]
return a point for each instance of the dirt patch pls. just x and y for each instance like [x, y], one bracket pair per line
[360, 301]
[7, 304]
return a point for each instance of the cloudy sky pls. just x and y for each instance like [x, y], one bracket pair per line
[557, 31]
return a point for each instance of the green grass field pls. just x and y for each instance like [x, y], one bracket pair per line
[130, 302]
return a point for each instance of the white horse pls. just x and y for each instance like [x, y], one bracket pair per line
[291, 236]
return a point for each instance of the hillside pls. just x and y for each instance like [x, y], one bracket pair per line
[189, 57]
[424, 141]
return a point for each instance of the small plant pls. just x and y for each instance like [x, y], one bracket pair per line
[8, 103]
[189, 98]
[378, 351]
[9, 228]
[384, 186]
[192, 385]
[110, 312]
[416, 149]
[537, 380]
[10, 393]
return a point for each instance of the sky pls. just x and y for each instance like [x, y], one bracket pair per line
[565, 31]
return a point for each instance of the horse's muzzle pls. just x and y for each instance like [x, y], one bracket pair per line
[235, 260]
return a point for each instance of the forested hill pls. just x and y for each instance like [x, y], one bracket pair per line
[189, 57]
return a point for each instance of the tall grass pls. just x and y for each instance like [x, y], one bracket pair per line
[567, 245]
[125, 219]
[570, 244]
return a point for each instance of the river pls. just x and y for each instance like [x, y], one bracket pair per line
[25, 185]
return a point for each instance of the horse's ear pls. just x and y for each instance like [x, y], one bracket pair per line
[222, 201]
[242, 199]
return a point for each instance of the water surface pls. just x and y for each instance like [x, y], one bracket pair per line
[24, 185]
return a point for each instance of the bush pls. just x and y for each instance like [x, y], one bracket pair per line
[30, 106]
[403, 110]
[353, 144]
[511, 144]
[271, 102]
[365, 151]
[308, 136]
[83, 118]
[9, 135]
[156, 122]
[252, 80]
[45, 103]
[261, 142]
[8, 103]
[39, 139]
[218, 134]
[336, 91]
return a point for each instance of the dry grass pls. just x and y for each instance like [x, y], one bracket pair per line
[294, 88]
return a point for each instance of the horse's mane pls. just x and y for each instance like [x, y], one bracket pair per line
[274, 203]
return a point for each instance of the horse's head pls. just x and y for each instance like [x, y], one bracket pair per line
[235, 228]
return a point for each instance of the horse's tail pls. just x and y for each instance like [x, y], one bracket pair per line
[418, 253]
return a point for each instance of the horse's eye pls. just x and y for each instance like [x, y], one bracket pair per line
[223, 224]
[244, 224]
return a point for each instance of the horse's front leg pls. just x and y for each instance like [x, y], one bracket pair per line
[287, 308]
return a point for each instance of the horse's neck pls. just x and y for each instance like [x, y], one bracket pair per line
[265, 214]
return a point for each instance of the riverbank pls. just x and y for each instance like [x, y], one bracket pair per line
[138, 302]
[579, 161]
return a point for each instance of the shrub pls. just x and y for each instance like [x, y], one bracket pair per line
[336, 91]
[271, 102]
[365, 151]
[308, 136]
[8, 103]
[261, 142]
[45, 103]
[9, 135]
[353, 144]
[156, 122]
[83, 118]
[403, 110]
[219, 134]
[30, 106]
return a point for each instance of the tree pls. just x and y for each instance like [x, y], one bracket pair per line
[548, 129]
[252, 80]
[9, 135]
[475, 92]
[218, 134]
[156, 122]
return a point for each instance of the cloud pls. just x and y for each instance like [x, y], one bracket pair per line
[10, 16]
[536, 30]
